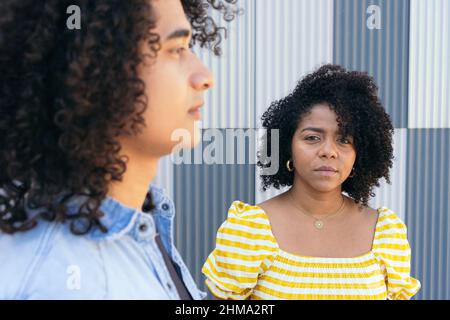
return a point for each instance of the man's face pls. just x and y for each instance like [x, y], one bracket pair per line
[175, 83]
[316, 144]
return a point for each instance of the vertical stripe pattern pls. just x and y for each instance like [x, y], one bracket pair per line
[429, 83]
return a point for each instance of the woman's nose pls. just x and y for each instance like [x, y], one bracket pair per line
[328, 150]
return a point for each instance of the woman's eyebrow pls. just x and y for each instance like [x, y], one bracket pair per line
[319, 130]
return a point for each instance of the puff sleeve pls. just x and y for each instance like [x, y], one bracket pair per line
[393, 252]
[245, 248]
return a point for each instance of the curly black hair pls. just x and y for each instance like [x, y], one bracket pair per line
[353, 96]
[65, 98]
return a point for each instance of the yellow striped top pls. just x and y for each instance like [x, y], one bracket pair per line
[248, 264]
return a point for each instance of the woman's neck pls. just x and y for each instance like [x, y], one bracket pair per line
[315, 202]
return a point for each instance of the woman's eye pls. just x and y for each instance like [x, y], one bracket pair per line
[344, 141]
[312, 138]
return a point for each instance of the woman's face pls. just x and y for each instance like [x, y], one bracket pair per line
[323, 159]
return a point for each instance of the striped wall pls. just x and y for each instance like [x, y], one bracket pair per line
[429, 81]
[297, 33]
[231, 106]
[202, 210]
[382, 52]
[273, 45]
[393, 195]
[428, 208]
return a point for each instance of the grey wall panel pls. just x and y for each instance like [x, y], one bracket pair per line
[429, 94]
[164, 176]
[293, 37]
[393, 195]
[383, 53]
[203, 194]
[428, 209]
[230, 103]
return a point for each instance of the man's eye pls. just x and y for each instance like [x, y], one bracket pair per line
[179, 50]
[345, 141]
[312, 138]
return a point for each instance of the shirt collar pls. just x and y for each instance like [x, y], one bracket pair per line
[120, 219]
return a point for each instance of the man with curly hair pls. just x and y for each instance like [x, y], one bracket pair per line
[85, 115]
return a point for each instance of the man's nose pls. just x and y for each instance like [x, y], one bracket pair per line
[202, 79]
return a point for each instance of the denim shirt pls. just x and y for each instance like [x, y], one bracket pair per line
[49, 262]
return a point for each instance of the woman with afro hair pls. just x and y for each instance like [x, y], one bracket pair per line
[85, 115]
[319, 239]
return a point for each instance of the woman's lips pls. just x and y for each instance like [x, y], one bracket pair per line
[326, 173]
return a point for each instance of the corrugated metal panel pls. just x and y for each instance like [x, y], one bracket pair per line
[429, 96]
[393, 195]
[203, 194]
[231, 103]
[383, 52]
[298, 39]
[428, 210]
[164, 176]
[428, 175]
[293, 37]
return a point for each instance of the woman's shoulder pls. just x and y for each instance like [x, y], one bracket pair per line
[242, 210]
[249, 222]
[390, 232]
[388, 219]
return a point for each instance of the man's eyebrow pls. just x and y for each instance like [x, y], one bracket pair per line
[179, 33]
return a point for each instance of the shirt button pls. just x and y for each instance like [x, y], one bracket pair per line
[143, 227]
[165, 206]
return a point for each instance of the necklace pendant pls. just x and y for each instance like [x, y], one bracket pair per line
[318, 224]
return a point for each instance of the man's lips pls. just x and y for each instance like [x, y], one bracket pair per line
[195, 111]
[196, 107]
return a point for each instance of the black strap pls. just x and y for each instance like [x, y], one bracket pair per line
[176, 277]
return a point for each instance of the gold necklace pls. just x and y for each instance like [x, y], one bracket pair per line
[318, 223]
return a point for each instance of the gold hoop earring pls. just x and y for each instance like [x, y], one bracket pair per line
[289, 168]
[352, 173]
